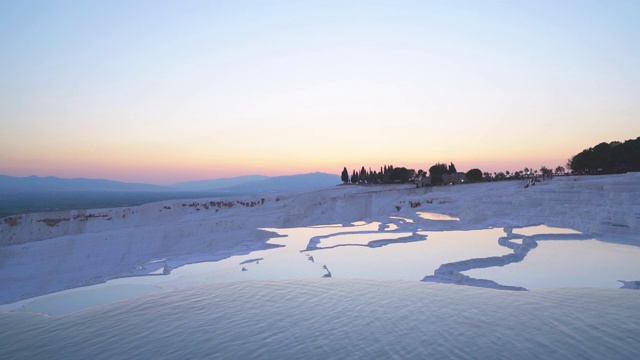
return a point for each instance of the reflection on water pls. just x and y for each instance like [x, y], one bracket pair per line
[436, 216]
[453, 273]
[402, 219]
[391, 227]
[511, 259]
[563, 263]
[406, 260]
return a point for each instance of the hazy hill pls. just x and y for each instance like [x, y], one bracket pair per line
[216, 184]
[286, 183]
[52, 183]
[240, 184]
[20, 195]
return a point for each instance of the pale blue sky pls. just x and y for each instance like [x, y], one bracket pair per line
[161, 91]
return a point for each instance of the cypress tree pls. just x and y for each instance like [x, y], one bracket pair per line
[345, 175]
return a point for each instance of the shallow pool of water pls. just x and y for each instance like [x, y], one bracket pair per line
[337, 319]
[437, 216]
[562, 263]
[527, 258]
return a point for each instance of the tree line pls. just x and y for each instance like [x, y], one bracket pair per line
[607, 158]
[389, 174]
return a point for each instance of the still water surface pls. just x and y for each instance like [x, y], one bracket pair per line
[398, 250]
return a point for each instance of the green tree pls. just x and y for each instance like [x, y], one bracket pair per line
[611, 158]
[400, 174]
[363, 175]
[345, 175]
[474, 175]
[436, 172]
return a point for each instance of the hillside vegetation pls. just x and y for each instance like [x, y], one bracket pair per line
[608, 158]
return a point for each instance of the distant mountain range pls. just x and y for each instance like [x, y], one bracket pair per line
[52, 183]
[287, 183]
[20, 195]
[217, 184]
[241, 184]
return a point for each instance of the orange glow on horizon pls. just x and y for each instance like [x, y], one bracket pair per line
[289, 93]
[164, 175]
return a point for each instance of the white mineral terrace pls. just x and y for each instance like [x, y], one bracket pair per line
[564, 232]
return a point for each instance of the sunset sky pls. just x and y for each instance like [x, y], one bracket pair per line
[166, 91]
